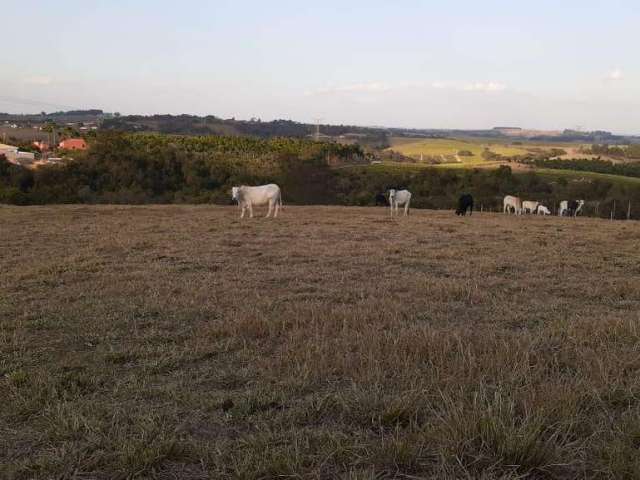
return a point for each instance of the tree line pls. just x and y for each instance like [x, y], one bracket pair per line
[630, 151]
[589, 165]
[145, 168]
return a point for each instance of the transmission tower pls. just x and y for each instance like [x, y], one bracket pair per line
[316, 135]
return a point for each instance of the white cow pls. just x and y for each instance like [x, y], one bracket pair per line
[570, 208]
[399, 197]
[511, 202]
[247, 197]
[542, 210]
[529, 206]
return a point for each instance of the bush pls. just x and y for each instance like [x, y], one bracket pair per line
[13, 196]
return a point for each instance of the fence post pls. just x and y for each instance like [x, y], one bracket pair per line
[613, 209]
[629, 211]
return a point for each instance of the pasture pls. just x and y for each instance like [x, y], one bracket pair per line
[446, 149]
[332, 342]
[24, 134]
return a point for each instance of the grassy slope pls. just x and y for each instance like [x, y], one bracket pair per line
[548, 172]
[552, 172]
[179, 342]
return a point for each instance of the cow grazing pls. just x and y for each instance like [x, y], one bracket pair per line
[397, 198]
[570, 208]
[247, 197]
[381, 200]
[512, 203]
[465, 202]
[542, 210]
[529, 206]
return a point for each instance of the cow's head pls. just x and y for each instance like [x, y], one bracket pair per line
[235, 193]
[392, 194]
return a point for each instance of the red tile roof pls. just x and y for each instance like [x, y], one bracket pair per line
[73, 144]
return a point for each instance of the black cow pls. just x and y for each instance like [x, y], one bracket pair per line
[381, 200]
[465, 202]
[570, 207]
[574, 207]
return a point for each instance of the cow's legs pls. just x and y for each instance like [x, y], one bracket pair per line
[406, 209]
[250, 210]
[270, 208]
[275, 213]
[244, 207]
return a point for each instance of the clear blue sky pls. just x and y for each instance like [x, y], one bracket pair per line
[432, 64]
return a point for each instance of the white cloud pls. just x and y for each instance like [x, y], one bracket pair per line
[614, 75]
[40, 80]
[484, 87]
[367, 87]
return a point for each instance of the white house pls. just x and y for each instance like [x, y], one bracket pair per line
[15, 156]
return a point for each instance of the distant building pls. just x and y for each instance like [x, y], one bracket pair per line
[353, 135]
[526, 133]
[73, 144]
[509, 131]
[42, 146]
[16, 157]
[7, 149]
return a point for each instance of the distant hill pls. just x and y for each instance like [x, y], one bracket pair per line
[71, 116]
[213, 125]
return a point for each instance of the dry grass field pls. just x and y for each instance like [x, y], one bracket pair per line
[178, 342]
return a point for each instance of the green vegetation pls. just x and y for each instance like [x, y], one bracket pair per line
[440, 187]
[212, 125]
[149, 168]
[618, 151]
[135, 168]
[578, 176]
[596, 166]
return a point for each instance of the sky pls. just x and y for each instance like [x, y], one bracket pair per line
[397, 63]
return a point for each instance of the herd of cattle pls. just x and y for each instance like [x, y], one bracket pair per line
[515, 205]
[271, 195]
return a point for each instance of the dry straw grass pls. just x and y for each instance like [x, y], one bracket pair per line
[179, 342]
